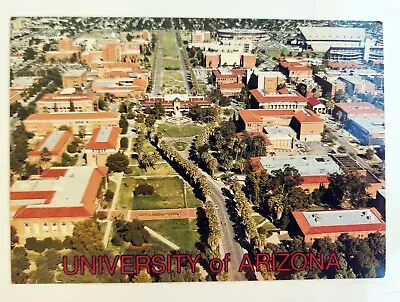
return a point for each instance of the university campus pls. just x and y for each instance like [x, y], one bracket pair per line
[168, 136]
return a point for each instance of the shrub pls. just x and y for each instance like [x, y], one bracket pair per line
[36, 245]
[67, 243]
[129, 170]
[124, 143]
[109, 195]
[144, 189]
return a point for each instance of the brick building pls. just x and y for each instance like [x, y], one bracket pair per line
[314, 170]
[74, 78]
[104, 142]
[307, 125]
[41, 123]
[49, 204]
[254, 120]
[67, 100]
[248, 60]
[355, 222]
[295, 71]
[356, 109]
[283, 99]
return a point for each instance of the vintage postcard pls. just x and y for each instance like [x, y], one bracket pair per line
[146, 150]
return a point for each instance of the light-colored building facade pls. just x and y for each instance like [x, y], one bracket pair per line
[103, 143]
[41, 123]
[67, 100]
[49, 204]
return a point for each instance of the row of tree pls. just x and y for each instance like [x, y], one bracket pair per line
[191, 172]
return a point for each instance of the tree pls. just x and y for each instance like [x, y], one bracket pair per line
[109, 195]
[123, 108]
[339, 96]
[124, 143]
[147, 159]
[348, 188]
[64, 128]
[144, 189]
[87, 238]
[117, 162]
[159, 110]
[150, 120]
[123, 124]
[45, 156]
[132, 232]
[29, 54]
[142, 277]
[14, 237]
[341, 149]
[19, 263]
[369, 154]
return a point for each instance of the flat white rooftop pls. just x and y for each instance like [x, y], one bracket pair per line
[74, 73]
[279, 132]
[337, 218]
[306, 165]
[103, 135]
[52, 140]
[69, 189]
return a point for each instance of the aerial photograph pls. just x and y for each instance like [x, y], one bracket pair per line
[159, 149]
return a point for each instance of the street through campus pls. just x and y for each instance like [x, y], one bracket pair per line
[229, 245]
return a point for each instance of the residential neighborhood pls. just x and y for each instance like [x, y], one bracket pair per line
[196, 136]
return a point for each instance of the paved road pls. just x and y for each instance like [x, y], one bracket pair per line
[349, 148]
[117, 177]
[229, 245]
[159, 68]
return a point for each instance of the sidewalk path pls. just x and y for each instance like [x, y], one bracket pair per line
[117, 178]
[153, 214]
[161, 238]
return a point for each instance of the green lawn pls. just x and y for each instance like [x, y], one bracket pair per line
[277, 52]
[182, 232]
[171, 53]
[169, 40]
[179, 131]
[191, 200]
[168, 194]
[170, 63]
[159, 170]
[172, 78]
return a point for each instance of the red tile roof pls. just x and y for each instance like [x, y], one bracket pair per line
[72, 116]
[313, 101]
[46, 195]
[359, 108]
[111, 142]
[53, 173]
[254, 115]
[86, 210]
[312, 179]
[256, 164]
[56, 97]
[62, 142]
[293, 65]
[269, 98]
[303, 117]
[307, 229]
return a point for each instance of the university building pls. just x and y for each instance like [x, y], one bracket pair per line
[56, 142]
[49, 204]
[41, 123]
[355, 222]
[68, 100]
[104, 142]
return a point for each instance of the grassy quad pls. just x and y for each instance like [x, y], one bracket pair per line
[172, 78]
[161, 169]
[182, 232]
[180, 131]
[168, 194]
